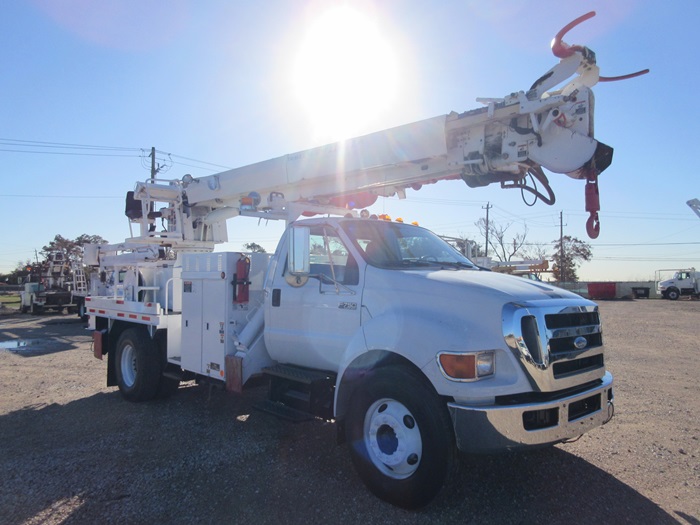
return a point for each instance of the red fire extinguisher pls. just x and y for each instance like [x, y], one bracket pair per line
[242, 284]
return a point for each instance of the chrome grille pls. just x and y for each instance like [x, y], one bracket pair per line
[565, 320]
[557, 346]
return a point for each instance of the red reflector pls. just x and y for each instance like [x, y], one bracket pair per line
[145, 318]
[120, 302]
[101, 311]
[120, 315]
[133, 316]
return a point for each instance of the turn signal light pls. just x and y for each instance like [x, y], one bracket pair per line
[467, 366]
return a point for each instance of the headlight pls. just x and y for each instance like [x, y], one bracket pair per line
[467, 366]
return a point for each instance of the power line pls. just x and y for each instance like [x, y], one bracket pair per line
[66, 153]
[647, 244]
[38, 143]
[195, 160]
[23, 196]
[41, 147]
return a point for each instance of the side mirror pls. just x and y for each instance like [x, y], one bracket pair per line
[298, 262]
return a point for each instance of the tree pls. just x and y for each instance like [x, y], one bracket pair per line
[569, 252]
[504, 249]
[20, 271]
[253, 247]
[72, 250]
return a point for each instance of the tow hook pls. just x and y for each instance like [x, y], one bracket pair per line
[611, 412]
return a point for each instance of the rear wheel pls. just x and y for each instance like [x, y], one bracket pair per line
[82, 312]
[400, 436]
[137, 365]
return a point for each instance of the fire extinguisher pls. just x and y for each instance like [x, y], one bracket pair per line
[241, 282]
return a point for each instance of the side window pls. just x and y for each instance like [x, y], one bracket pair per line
[330, 257]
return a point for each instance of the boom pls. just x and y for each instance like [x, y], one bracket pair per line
[507, 141]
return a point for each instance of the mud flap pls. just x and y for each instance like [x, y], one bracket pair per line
[99, 343]
[234, 374]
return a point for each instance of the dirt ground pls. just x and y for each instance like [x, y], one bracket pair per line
[73, 451]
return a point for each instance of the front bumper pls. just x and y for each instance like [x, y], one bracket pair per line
[482, 429]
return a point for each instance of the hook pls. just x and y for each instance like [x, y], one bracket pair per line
[593, 226]
[592, 205]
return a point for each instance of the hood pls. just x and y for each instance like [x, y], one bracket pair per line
[482, 289]
[494, 283]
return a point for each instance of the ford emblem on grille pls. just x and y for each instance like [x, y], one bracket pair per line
[580, 343]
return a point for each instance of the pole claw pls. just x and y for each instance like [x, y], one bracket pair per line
[562, 49]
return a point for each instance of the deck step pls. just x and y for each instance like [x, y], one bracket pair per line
[283, 411]
[295, 373]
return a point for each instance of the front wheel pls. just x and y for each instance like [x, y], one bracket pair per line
[673, 294]
[137, 365]
[400, 436]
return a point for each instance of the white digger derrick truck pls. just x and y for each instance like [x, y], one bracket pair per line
[381, 326]
[55, 284]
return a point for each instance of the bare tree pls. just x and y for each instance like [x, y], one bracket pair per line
[536, 251]
[464, 245]
[503, 247]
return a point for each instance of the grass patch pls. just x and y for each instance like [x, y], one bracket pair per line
[10, 300]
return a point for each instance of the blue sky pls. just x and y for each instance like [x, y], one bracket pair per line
[219, 81]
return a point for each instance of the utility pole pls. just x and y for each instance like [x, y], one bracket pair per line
[487, 208]
[562, 271]
[154, 170]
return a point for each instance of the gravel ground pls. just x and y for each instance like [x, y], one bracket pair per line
[73, 451]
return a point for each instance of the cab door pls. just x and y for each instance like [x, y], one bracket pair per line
[310, 321]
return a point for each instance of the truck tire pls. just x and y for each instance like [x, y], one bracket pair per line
[401, 440]
[137, 365]
[673, 293]
[82, 311]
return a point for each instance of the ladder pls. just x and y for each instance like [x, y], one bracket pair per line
[79, 280]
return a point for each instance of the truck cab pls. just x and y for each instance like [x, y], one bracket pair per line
[683, 282]
[499, 361]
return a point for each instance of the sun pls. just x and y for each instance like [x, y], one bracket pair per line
[345, 74]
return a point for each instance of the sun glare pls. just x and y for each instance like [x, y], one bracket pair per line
[345, 74]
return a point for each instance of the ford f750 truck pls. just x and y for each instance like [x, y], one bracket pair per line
[378, 325]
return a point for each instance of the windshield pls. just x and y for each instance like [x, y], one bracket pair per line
[397, 245]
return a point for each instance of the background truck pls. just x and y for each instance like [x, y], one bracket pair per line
[683, 282]
[55, 284]
[380, 326]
